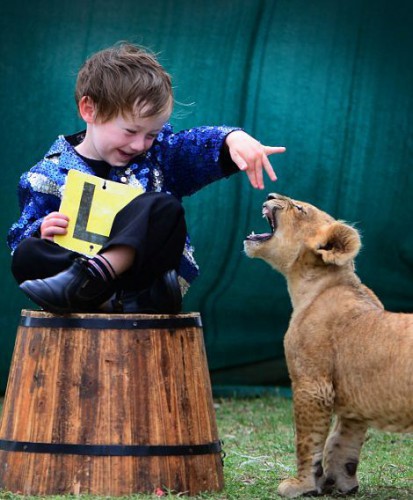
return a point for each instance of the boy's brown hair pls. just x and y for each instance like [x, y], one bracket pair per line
[124, 79]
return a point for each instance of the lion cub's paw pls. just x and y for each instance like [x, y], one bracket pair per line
[292, 488]
[339, 488]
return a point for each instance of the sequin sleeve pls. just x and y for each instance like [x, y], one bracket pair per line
[193, 158]
[38, 195]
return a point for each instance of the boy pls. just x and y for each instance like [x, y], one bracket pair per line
[125, 98]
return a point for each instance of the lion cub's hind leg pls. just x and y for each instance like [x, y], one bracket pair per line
[341, 456]
[313, 406]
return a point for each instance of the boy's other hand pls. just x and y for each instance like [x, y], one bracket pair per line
[53, 223]
[252, 157]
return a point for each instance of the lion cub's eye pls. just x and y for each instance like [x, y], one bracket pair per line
[300, 208]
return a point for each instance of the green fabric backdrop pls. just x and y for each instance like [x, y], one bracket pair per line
[331, 80]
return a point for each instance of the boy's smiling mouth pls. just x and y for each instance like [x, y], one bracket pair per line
[127, 156]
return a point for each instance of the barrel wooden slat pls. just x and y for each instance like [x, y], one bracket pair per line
[111, 386]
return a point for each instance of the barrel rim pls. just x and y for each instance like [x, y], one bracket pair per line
[108, 322]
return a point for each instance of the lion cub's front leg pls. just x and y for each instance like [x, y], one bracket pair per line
[313, 405]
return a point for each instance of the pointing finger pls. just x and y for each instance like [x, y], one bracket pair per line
[271, 150]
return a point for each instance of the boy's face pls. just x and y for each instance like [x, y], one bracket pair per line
[119, 140]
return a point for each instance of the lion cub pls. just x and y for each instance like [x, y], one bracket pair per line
[346, 355]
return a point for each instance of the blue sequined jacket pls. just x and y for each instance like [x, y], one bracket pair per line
[179, 164]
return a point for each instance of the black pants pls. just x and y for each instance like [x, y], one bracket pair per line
[153, 224]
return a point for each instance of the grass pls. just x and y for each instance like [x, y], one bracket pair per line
[259, 444]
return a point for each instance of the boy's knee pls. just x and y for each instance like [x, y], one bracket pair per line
[22, 259]
[162, 202]
[170, 203]
[25, 248]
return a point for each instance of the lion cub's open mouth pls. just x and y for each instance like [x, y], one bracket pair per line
[270, 216]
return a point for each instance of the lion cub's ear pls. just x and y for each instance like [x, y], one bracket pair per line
[337, 243]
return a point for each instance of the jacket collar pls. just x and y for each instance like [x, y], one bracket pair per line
[64, 149]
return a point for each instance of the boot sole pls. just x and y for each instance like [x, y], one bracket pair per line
[43, 303]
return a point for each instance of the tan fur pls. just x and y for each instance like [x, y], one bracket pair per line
[346, 355]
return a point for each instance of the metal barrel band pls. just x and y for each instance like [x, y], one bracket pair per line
[113, 324]
[111, 450]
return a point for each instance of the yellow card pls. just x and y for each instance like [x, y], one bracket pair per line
[91, 204]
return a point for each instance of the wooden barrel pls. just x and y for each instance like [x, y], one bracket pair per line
[109, 404]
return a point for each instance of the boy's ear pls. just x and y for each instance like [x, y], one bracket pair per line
[337, 243]
[87, 109]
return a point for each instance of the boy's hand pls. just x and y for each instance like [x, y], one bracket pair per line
[251, 156]
[53, 223]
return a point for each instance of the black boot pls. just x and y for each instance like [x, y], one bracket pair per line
[163, 297]
[76, 289]
[166, 293]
